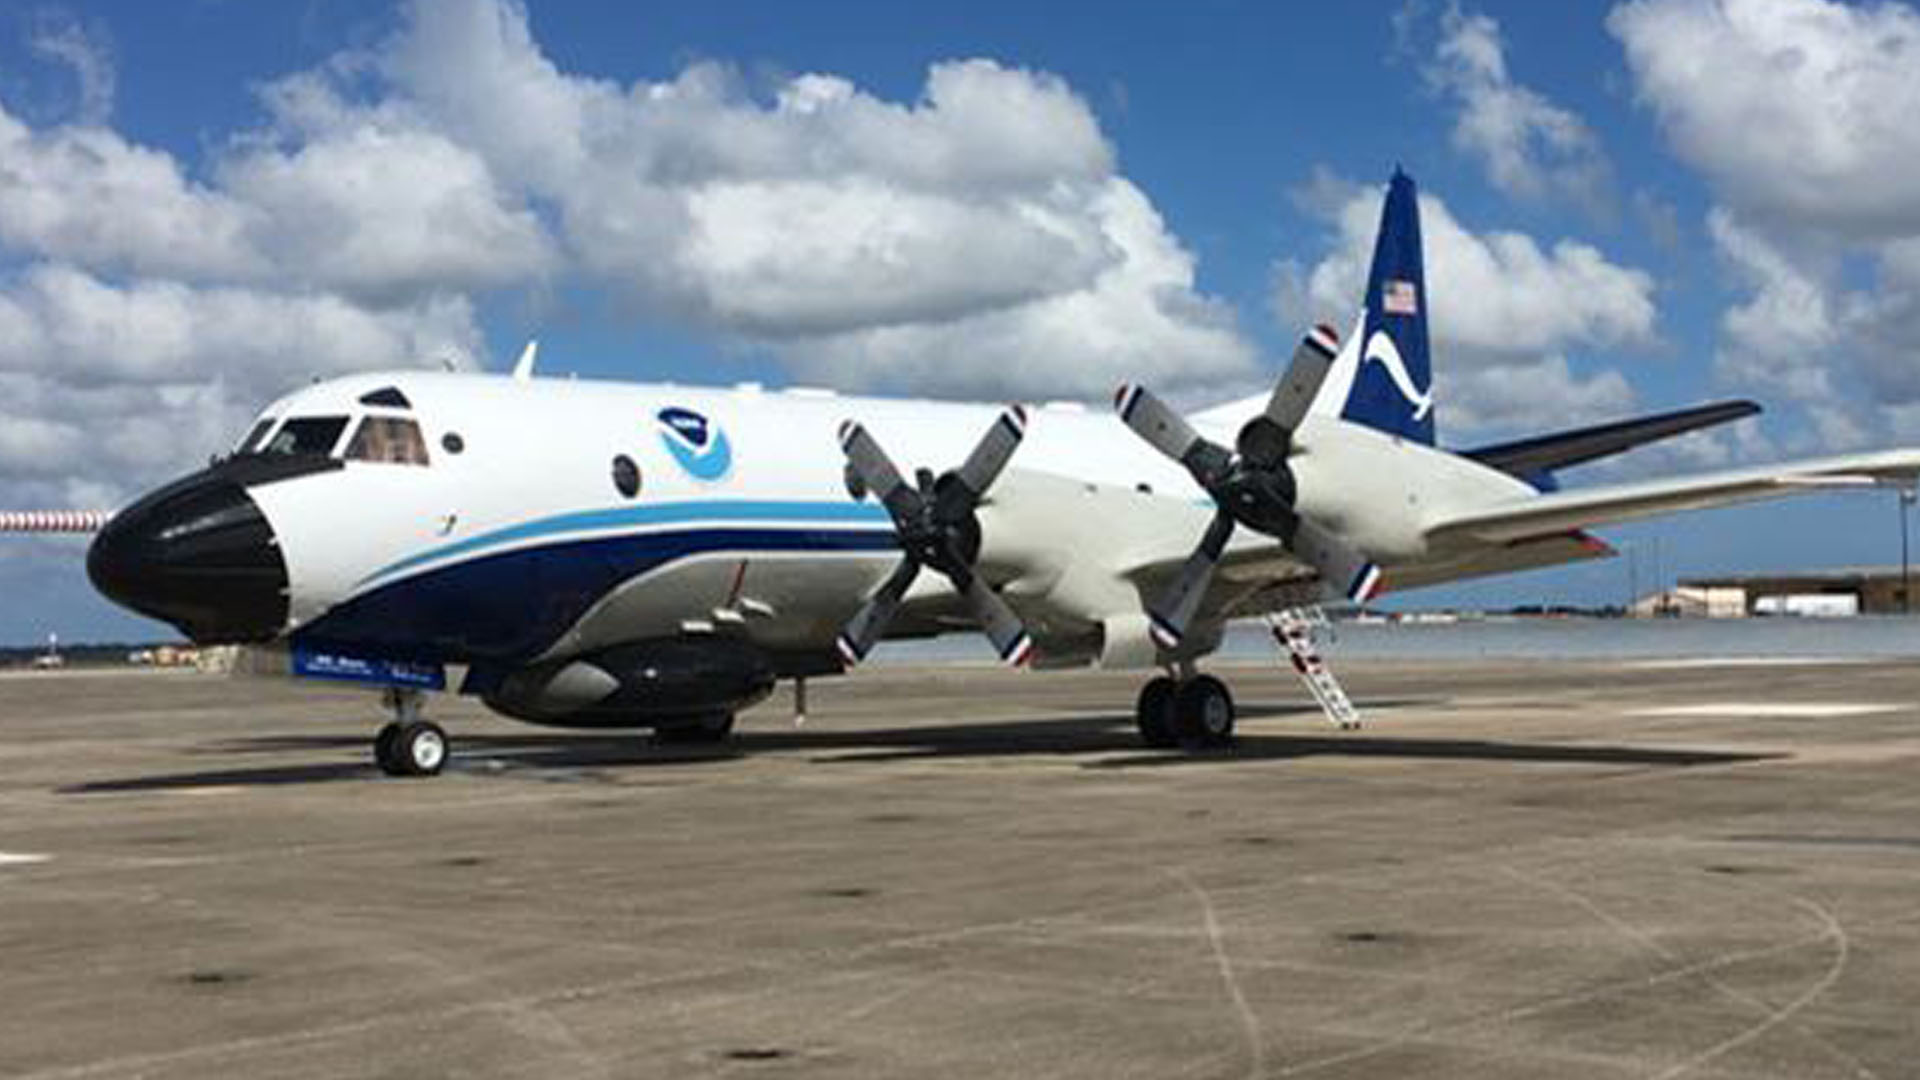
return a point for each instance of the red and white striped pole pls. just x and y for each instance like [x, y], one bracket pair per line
[53, 521]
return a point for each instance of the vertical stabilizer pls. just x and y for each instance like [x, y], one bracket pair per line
[1392, 388]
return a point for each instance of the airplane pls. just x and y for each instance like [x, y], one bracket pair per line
[594, 554]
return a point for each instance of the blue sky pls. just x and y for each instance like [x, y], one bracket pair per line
[1639, 206]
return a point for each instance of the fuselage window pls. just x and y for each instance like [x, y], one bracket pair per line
[307, 435]
[452, 442]
[256, 437]
[389, 440]
[626, 476]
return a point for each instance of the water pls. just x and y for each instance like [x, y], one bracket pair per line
[1861, 637]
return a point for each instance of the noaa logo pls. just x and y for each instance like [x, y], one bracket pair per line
[698, 445]
[1381, 350]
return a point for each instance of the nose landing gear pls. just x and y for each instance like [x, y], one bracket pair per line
[409, 745]
[1194, 711]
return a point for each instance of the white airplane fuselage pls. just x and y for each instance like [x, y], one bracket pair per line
[513, 545]
[520, 548]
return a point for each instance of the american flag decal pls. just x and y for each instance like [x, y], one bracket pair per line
[1399, 298]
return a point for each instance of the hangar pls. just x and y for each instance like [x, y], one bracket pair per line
[1844, 591]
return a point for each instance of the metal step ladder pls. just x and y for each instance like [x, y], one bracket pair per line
[1293, 628]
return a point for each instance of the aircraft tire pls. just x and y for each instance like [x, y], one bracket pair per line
[420, 749]
[383, 753]
[708, 731]
[1203, 712]
[1153, 713]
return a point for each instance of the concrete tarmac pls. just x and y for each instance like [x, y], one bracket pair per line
[1516, 870]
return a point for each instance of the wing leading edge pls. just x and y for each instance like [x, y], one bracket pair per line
[1566, 511]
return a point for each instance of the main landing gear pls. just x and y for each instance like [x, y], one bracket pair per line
[1195, 711]
[409, 745]
[1188, 709]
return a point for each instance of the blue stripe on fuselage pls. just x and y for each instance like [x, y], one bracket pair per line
[508, 606]
[704, 511]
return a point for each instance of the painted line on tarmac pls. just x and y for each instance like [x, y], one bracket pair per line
[1786, 710]
[21, 858]
[1689, 663]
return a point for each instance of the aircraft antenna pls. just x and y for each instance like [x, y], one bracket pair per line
[523, 367]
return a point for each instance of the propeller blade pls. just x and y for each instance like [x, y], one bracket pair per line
[1344, 569]
[993, 451]
[1003, 627]
[1266, 441]
[1168, 622]
[1294, 394]
[935, 535]
[863, 631]
[1155, 421]
[875, 469]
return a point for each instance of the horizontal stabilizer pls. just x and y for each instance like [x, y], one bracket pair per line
[1530, 459]
[1541, 515]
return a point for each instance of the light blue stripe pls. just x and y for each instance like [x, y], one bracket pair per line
[699, 512]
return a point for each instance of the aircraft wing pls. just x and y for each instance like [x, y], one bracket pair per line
[1564, 511]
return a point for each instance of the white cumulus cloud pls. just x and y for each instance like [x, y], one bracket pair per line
[1799, 116]
[113, 387]
[1530, 147]
[1140, 318]
[85, 194]
[83, 51]
[1800, 112]
[976, 238]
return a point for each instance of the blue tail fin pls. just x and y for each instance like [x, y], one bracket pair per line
[1393, 386]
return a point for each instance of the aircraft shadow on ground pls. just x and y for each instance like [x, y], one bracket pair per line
[1108, 740]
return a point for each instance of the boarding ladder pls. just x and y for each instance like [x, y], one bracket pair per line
[1293, 628]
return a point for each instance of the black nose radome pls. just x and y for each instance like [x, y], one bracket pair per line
[198, 554]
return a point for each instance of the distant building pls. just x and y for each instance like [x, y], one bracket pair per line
[1690, 600]
[1849, 591]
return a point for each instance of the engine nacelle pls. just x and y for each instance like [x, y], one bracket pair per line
[646, 684]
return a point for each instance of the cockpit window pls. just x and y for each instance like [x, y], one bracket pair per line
[389, 396]
[256, 437]
[388, 439]
[307, 435]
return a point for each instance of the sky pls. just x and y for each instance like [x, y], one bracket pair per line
[1628, 207]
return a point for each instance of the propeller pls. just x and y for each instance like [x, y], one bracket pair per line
[935, 520]
[1252, 485]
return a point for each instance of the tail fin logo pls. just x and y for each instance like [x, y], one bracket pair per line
[1381, 350]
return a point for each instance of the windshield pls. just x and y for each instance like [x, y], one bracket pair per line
[257, 436]
[307, 435]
